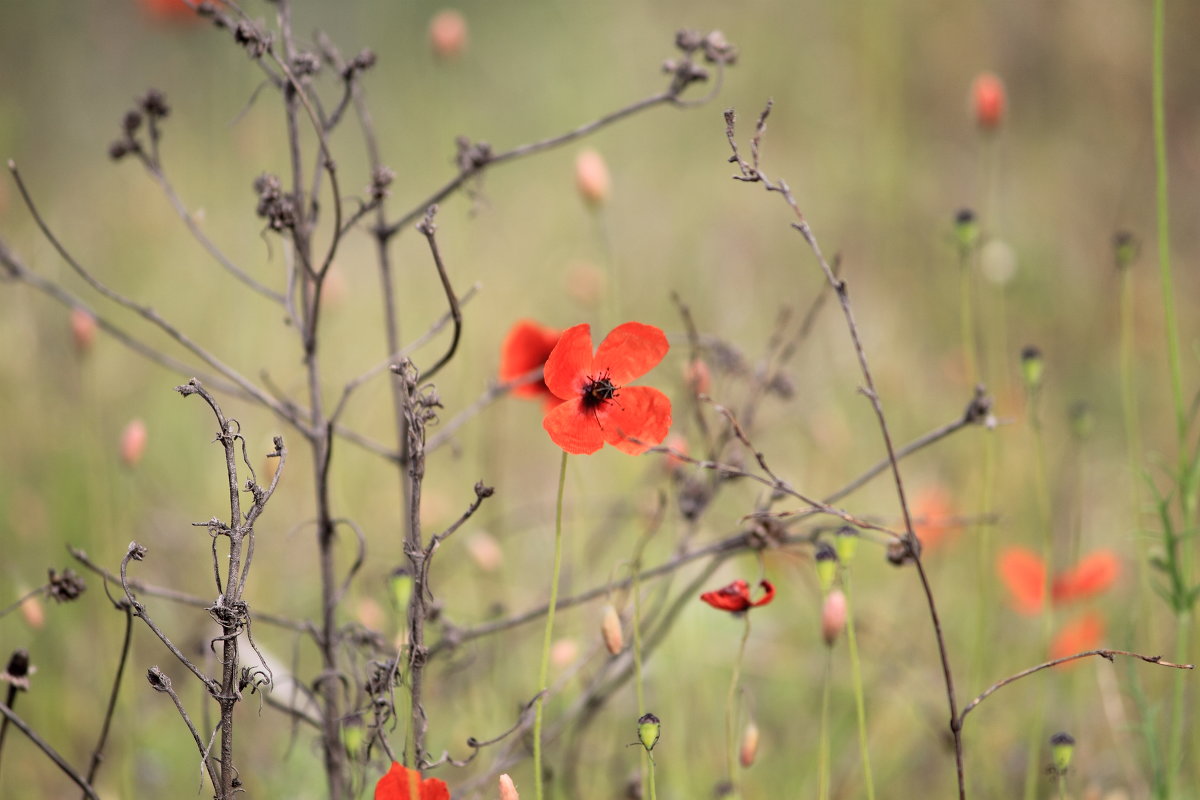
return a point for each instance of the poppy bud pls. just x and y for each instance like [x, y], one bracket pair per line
[133, 442]
[649, 731]
[333, 288]
[354, 736]
[697, 376]
[1083, 421]
[33, 612]
[827, 563]
[508, 790]
[83, 329]
[845, 543]
[485, 551]
[966, 229]
[610, 629]
[1032, 367]
[1062, 747]
[448, 33]
[1125, 249]
[370, 614]
[563, 653]
[749, 748]
[833, 616]
[987, 96]
[591, 177]
[401, 584]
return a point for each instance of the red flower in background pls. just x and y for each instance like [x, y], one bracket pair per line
[399, 784]
[987, 96]
[1024, 574]
[735, 597]
[933, 517]
[1085, 633]
[525, 348]
[169, 10]
[597, 406]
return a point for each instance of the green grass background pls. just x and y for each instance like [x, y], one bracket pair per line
[872, 130]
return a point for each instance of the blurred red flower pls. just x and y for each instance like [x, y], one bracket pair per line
[1085, 633]
[169, 10]
[597, 406]
[399, 783]
[735, 597]
[933, 517]
[525, 348]
[1024, 574]
[987, 97]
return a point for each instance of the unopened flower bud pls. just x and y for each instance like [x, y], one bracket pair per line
[448, 33]
[1032, 367]
[591, 177]
[966, 229]
[845, 543]
[508, 790]
[83, 329]
[1062, 747]
[133, 442]
[401, 584]
[649, 731]
[610, 629]
[833, 616]
[485, 551]
[827, 563]
[697, 376]
[33, 612]
[1125, 249]
[749, 748]
[987, 97]
[564, 653]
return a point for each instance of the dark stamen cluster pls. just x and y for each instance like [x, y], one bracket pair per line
[598, 391]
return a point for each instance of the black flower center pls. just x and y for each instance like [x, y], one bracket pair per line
[598, 391]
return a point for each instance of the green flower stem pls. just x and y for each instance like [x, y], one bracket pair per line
[653, 793]
[823, 747]
[966, 303]
[730, 700]
[638, 684]
[1042, 494]
[860, 705]
[544, 672]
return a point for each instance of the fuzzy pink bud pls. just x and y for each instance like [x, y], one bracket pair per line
[448, 33]
[987, 97]
[697, 376]
[833, 616]
[133, 442]
[749, 748]
[83, 329]
[591, 177]
[485, 551]
[33, 612]
[508, 790]
[610, 629]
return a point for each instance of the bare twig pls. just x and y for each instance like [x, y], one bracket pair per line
[429, 230]
[98, 752]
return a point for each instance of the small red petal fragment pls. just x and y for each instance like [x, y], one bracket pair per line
[1024, 575]
[1091, 576]
[525, 348]
[570, 362]
[574, 428]
[768, 593]
[638, 412]
[630, 351]
[734, 597]
[1085, 633]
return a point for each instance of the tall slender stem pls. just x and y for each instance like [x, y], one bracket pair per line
[731, 701]
[544, 671]
[860, 706]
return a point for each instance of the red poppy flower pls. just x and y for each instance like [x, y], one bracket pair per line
[987, 95]
[1024, 573]
[735, 597]
[597, 406]
[399, 784]
[1085, 633]
[933, 517]
[525, 348]
[176, 10]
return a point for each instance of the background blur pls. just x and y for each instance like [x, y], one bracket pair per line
[873, 130]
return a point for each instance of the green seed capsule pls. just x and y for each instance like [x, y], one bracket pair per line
[649, 731]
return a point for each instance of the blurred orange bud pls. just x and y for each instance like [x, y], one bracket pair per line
[833, 616]
[370, 614]
[591, 177]
[563, 653]
[485, 551]
[133, 442]
[586, 284]
[749, 748]
[333, 290]
[448, 33]
[697, 376]
[933, 517]
[610, 629]
[83, 329]
[987, 97]
[33, 612]
[508, 790]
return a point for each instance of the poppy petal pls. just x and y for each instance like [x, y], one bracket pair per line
[574, 428]
[932, 513]
[525, 348]
[1089, 577]
[570, 363]
[1025, 576]
[637, 412]
[735, 597]
[630, 351]
[768, 593]
[399, 781]
[1085, 633]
